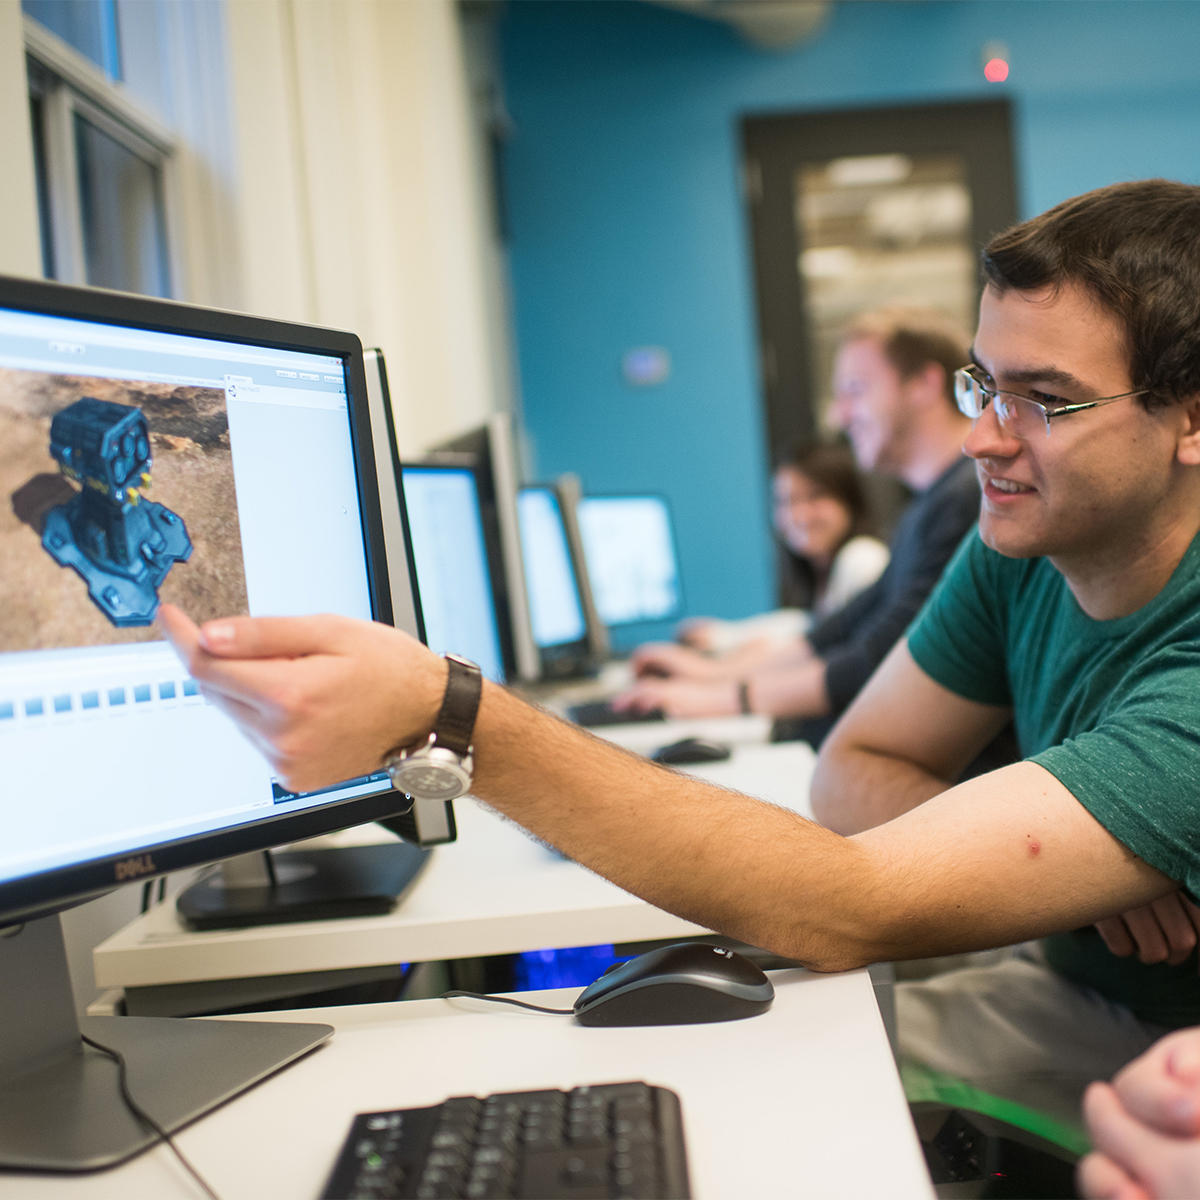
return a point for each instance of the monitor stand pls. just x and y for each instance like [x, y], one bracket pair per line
[302, 885]
[60, 1101]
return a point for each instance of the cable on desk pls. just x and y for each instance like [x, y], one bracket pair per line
[142, 1115]
[558, 1012]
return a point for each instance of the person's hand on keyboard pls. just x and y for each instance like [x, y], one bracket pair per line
[666, 660]
[681, 697]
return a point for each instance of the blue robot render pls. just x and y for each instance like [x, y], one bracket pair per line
[121, 544]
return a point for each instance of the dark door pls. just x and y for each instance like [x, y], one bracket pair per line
[860, 207]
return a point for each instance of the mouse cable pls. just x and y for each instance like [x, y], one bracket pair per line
[558, 1012]
[143, 1116]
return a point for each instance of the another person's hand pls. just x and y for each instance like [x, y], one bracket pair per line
[1146, 1126]
[680, 698]
[1163, 931]
[666, 660]
[324, 698]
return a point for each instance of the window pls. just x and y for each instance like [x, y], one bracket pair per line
[88, 25]
[101, 160]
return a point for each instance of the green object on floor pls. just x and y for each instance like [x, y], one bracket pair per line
[921, 1083]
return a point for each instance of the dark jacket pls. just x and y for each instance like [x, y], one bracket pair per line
[854, 640]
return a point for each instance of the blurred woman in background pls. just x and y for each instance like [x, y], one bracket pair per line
[820, 517]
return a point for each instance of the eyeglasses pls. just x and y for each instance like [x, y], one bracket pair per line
[1020, 416]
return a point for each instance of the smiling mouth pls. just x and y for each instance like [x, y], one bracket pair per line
[1009, 486]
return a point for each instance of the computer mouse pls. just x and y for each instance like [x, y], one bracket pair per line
[692, 750]
[688, 983]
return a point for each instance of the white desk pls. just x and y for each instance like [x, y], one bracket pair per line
[802, 1101]
[494, 891]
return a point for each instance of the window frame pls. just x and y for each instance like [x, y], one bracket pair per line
[67, 84]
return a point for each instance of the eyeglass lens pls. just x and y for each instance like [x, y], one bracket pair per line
[1017, 416]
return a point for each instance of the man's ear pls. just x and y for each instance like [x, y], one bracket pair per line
[1188, 449]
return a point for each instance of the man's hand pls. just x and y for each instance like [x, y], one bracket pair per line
[680, 698]
[1164, 931]
[296, 688]
[1146, 1126]
[666, 660]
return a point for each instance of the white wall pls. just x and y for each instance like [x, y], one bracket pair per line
[360, 198]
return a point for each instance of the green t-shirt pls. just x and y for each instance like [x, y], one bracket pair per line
[1110, 708]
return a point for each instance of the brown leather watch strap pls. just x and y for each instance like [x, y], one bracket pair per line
[455, 725]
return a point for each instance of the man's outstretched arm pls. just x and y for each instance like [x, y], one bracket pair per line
[326, 697]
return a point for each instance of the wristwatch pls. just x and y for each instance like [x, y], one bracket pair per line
[440, 766]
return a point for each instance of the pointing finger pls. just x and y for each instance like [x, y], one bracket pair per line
[270, 637]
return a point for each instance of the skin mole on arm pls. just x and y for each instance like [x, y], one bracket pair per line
[1035, 847]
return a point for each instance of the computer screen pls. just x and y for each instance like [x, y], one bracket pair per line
[451, 558]
[144, 464]
[555, 608]
[630, 555]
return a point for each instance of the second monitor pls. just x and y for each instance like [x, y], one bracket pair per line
[451, 554]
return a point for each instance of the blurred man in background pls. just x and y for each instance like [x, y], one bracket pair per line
[894, 397]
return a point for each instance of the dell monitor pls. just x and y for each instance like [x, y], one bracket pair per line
[154, 452]
[630, 553]
[451, 557]
[552, 583]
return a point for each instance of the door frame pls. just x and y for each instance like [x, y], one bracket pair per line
[773, 148]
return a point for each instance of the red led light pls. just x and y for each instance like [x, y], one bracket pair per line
[995, 70]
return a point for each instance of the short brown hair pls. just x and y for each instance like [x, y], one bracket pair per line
[1135, 247]
[912, 337]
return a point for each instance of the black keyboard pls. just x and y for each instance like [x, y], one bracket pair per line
[602, 713]
[614, 1139]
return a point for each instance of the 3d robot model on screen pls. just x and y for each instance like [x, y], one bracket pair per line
[121, 544]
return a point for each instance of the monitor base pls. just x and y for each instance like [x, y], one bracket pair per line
[60, 1100]
[305, 885]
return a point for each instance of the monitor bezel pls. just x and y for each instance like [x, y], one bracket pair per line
[564, 658]
[680, 606]
[494, 448]
[56, 888]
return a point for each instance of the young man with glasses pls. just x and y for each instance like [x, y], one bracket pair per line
[1076, 611]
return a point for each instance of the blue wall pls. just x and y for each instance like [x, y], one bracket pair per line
[628, 228]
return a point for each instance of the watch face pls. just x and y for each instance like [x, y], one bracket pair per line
[430, 781]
